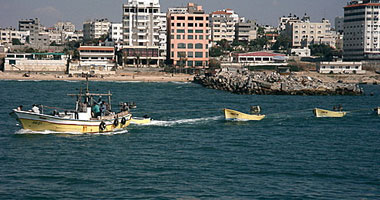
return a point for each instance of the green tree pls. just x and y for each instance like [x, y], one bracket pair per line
[283, 42]
[325, 52]
[216, 51]
[16, 41]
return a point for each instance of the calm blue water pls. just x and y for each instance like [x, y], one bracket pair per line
[189, 151]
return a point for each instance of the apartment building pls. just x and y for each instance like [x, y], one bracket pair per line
[188, 36]
[34, 27]
[290, 19]
[361, 39]
[8, 34]
[305, 33]
[246, 31]
[94, 29]
[64, 27]
[116, 34]
[143, 31]
[223, 24]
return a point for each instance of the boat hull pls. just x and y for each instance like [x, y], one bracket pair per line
[236, 115]
[327, 113]
[140, 121]
[40, 122]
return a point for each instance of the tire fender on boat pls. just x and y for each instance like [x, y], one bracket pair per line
[116, 122]
[123, 121]
[102, 126]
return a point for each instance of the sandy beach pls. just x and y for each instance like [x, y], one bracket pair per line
[369, 77]
[140, 76]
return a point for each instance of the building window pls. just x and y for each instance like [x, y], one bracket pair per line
[201, 37]
[199, 46]
[178, 37]
[181, 31]
[199, 18]
[190, 37]
[198, 63]
[198, 31]
[190, 46]
[190, 31]
[190, 63]
[180, 18]
[190, 54]
[181, 46]
[199, 54]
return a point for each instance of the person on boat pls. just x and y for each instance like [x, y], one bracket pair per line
[19, 108]
[35, 109]
[96, 110]
[103, 108]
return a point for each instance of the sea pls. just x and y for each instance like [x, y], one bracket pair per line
[189, 151]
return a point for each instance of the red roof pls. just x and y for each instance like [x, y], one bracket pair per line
[99, 48]
[362, 4]
[260, 53]
[221, 12]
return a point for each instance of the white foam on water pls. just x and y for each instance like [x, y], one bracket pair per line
[182, 121]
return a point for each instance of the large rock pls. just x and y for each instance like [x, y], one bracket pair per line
[262, 83]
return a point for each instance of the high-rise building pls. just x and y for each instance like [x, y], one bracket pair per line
[361, 39]
[188, 36]
[287, 20]
[94, 29]
[142, 28]
[222, 23]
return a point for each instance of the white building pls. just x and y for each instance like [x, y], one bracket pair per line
[64, 27]
[116, 34]
[73, 36]
[304, 52]
[94, 29]
[305, 33]
[287, 20]
[99, 58]
[143, 27]
[340, 68]
[223, 24]
[7, 35]
[260, 59]
[361, 39]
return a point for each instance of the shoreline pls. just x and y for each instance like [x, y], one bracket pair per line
[368, 78]
[132, 77]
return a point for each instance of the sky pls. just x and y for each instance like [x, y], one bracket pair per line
[77, 11]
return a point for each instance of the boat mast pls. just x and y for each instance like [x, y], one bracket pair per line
[109, 99]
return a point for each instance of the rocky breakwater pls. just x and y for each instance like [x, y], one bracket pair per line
[262, 83]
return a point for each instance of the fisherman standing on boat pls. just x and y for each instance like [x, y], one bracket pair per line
[35, 109]
[96, 110]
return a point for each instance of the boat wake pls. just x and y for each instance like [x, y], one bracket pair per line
[30, 132]
[182, 121]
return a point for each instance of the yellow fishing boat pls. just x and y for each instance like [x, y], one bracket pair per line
[377, 110]
[140, 120]
[236, 115]
[79, 120]
[327, 113]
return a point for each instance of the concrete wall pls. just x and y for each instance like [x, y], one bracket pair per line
[36, 66]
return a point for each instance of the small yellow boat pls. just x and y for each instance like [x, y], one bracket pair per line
[140, 120]
[236, 115]
[377, 110]
[327, 113]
